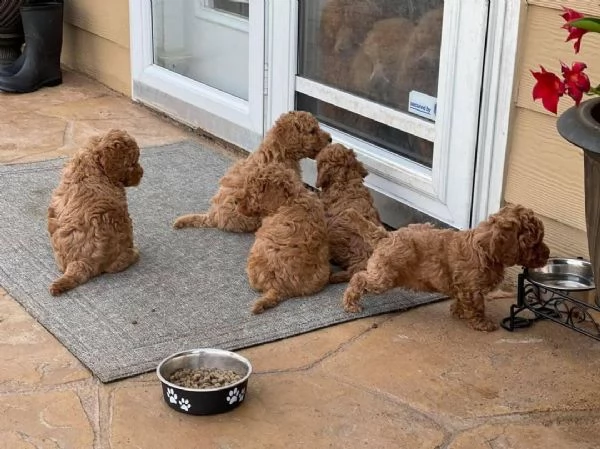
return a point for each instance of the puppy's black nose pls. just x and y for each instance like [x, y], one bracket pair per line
[330, 139]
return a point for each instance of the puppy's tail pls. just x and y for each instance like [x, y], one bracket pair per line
[268, 300]
[77, 273]
[369, 231]
[194, 221]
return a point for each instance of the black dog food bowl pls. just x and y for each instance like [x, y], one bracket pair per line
[204, 401]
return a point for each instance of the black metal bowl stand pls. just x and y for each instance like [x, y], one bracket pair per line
[535, 303]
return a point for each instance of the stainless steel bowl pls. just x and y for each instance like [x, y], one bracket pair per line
[204, 401]
[564, 274]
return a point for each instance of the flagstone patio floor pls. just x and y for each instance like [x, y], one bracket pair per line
[413, 380]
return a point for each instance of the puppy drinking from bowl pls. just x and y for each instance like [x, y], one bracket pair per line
[465, 265]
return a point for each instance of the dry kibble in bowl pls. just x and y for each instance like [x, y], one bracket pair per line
[204, 378]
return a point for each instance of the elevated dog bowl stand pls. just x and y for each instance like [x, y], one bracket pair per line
[545, 303]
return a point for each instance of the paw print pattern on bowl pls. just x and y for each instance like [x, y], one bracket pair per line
[208, 401]
[235, 395]
[172, 396]
[184, 404]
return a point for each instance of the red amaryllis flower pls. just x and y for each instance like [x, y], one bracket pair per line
[549, 88]
[576, 82]
[574, 33]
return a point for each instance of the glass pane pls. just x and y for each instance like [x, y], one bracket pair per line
[205, 40]
[392, 139]
[378, 49]
[240, 7]
[386, 51]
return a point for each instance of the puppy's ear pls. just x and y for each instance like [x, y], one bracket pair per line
[323, 178]
[361, 169]
[497, 240]
[242, 207]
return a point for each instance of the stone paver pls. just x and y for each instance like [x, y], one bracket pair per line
[415, 380]
[303, 351]
[436, 364]
[298, 410]
[533, 436]
[44, 420]
[57, 122]
[29, 355]
[17, 144]
[74, 88]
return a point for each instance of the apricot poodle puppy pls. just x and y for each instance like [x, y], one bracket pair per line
[294, 136]
[88, 220]
[465, 265]
[290, 256]
[340, 177]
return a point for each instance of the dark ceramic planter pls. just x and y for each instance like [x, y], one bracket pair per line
[581, 127]
[211, 401]
[11, 31]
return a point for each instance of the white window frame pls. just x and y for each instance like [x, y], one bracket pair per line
[193, 103]
[436, 192]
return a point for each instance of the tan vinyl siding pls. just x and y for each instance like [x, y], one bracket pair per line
[544, 171]
[96, 41]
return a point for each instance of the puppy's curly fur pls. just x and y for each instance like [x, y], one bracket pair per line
[88, 220]
[290, 256]
[340, 177]
[465, 265]
[294, 136]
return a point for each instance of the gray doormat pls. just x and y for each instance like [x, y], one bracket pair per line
[188, 290]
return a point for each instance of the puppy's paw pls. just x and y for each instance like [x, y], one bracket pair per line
[193, 221]
[482, 324]
[352, 307]
[351, 301]
[457, 310]
[179, 223]
[56, 289]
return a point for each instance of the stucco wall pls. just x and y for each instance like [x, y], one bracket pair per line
[544, 171]
[96, 41]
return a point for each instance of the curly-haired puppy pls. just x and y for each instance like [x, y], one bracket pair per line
[290, 256]
[294, 136]
[340, 177]
[380, 57]
[88, 220]
[465, 265]
[420, 62]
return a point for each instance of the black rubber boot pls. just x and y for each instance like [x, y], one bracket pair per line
[15, 66]
[11, 32]
[39, 65]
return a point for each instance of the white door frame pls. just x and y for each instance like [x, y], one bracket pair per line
[415, 185]
[507, 19]
[198, 105]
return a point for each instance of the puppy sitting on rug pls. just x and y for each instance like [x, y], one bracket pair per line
[340, 177]
[294, 136]
[88, 220]
[465, 265]
[290, 256]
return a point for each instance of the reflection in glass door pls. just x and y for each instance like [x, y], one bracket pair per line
[386, 51]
